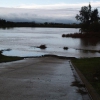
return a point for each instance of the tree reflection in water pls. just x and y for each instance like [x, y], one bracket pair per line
[89, 41]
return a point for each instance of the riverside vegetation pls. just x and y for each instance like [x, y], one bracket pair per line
[90, 23]
[90, 28]
[8, 24]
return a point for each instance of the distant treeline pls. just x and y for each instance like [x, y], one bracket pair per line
[4, 23]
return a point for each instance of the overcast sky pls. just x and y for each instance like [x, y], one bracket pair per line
[44, 10]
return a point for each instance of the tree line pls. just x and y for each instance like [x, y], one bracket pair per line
[4, 24]
[88, 17]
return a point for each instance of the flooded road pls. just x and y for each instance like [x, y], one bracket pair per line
[45, 78]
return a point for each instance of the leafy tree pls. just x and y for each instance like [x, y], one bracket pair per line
[94, 16]
[87, 17]
[85, 14]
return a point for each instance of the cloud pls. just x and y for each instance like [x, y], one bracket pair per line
[37, 15]
[64, 13]
[60, 5]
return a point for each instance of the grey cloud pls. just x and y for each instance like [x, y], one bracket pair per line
[39, 15]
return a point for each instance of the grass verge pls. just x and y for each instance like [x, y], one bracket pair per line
[90, 68]
[8, 58]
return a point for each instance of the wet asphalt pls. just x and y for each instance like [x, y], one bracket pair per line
[45, 78]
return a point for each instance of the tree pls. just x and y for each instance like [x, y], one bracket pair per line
[87, 17]
[94, 16]
[85, 14]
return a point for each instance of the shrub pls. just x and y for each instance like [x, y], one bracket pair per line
[42, 47]
[65, 48]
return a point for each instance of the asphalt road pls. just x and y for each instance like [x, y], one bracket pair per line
[45, 78]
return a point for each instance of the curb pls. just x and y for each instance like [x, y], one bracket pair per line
[93, 94]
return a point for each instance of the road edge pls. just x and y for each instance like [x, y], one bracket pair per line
[93, 94]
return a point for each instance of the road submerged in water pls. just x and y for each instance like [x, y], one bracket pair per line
[47, 78]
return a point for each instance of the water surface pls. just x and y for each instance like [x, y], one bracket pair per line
[23, 42]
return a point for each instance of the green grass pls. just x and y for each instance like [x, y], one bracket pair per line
[8, 58]
[90, 67]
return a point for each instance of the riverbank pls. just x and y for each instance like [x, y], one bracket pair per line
[90, 68]
[15, 58]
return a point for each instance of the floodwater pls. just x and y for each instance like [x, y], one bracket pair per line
[24, 41]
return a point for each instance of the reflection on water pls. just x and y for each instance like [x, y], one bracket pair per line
[90, 42]
[23, 42]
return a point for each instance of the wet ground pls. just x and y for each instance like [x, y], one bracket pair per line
[45, 78]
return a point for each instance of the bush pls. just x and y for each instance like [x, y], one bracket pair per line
[64, 35]
[42, 47]
[65, 48]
